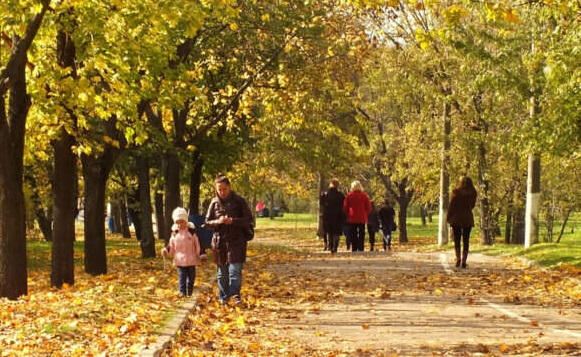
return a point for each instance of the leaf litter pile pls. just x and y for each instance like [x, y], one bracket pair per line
[120, 313]
[110, 315]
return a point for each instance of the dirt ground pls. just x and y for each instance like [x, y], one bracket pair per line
[408, 303]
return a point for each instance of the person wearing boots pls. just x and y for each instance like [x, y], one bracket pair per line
[387, 222]
[333, 216]
[461, 219]
[356, 207]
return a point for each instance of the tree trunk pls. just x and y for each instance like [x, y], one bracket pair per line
[518, 232]
[423, 215]
[159, 214]
[95, 179]
[13, 273]
[320, 228]
[95, 174]
[486, 222]
[147, 239]
[122, 213]
[444, 177]
[64, 211]
[134, 208]
[533, 201]
[564, 224]
[44, 219]
[195, 182]
[172, 192]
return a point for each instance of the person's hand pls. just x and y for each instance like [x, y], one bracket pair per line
[203, 257]
[225, 220]
[164, 252]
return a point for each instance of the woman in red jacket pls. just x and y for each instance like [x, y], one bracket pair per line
[356, 207]
[461, 218]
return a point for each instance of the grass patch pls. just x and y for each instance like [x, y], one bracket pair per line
[303, 228]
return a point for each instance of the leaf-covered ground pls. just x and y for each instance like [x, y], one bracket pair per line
[300, 302]
[111, 315]
[381, 304]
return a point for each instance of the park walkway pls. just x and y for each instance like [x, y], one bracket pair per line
[406, 303]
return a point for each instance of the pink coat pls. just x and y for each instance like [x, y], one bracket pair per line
[185, 248]
[356, 207]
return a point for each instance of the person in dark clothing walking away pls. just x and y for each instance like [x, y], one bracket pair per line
[229, 217]
[460, 217]
[386, 215]
[356, 207]
[372, 226]
[333, 216]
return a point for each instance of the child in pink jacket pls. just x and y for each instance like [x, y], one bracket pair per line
[184, 246]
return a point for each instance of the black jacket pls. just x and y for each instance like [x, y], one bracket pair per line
[333, 215]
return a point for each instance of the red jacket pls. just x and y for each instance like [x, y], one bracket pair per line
[356, 207]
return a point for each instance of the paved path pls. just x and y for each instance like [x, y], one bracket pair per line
[410, 303]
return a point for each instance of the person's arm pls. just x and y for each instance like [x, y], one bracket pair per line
[246, 218]
[170, 249]
[211, 219]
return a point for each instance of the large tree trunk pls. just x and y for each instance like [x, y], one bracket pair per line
[64, 211]
[65, 184]
[13, 273]
[95, 174]
[147, 240]
[173, 168]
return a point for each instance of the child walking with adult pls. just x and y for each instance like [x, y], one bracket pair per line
[356, 207]
[461, 219]
[184, 246]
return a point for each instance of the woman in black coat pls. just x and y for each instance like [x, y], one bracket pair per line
[460, 217]
[333, 216]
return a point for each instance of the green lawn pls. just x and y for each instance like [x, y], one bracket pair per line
[568, 251]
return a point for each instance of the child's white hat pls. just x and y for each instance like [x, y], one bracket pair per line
[180, 214]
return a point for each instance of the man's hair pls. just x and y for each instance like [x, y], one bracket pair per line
[221, 178]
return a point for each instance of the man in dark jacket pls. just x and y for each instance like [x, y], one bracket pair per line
[333, 216]
[229, 217]
[387, 221]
